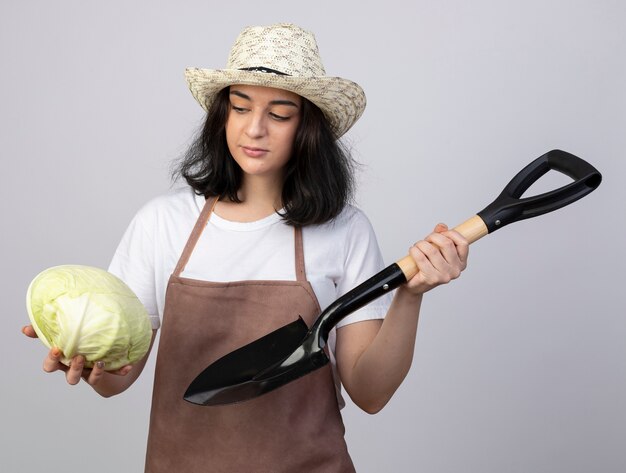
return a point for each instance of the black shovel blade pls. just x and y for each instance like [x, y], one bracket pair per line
[299, 364]
[231, 378]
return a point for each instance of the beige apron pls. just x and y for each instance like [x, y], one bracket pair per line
[297, 428]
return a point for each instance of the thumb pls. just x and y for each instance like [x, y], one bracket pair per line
[29, 331]
[440, 228]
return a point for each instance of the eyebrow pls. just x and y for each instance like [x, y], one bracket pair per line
[273, 102]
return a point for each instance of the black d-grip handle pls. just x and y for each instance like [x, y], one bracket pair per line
[509, 208]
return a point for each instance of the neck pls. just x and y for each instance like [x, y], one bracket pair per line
[259, 199]
[266, 192]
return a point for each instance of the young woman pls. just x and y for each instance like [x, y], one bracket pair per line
[265, 233]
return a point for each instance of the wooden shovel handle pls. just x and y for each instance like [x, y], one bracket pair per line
[472, 229]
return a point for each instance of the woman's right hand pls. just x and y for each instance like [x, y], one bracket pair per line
[76, 370]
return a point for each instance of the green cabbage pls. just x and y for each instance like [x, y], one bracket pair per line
[88, 311]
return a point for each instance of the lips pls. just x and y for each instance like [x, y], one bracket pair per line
[254, 152]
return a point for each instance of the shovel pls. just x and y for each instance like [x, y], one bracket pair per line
[295, 350]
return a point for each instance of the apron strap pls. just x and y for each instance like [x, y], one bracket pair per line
[209, 205]
[299, 249]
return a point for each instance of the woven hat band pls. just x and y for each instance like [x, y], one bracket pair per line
[267, 70]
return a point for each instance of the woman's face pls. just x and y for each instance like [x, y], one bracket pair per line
[261, 128]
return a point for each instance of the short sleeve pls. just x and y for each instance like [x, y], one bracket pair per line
[363, 259]
[134, 263]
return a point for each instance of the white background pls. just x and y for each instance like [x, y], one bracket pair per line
[520, 365]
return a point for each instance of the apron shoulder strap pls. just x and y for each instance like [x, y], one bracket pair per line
[209, 205]
[299, 255]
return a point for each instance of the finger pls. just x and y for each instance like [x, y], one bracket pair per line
[462, 245]
[53, 361]
[446, 246]
[432, 252]
[428, 275]
[422, 262]
[96, 373]
[123, 371]
[428, 260]
[440, 228]
[456, 237]
[29, 331]
[73, 374]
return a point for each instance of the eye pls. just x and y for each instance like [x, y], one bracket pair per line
[238, 109]
[279, 118]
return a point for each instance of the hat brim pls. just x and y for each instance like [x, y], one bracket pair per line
[341, 100]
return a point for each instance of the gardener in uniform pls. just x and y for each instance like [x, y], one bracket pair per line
[265, 232]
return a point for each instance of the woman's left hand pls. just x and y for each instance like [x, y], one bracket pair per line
[440, 257]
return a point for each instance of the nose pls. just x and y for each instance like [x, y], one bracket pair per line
[256, 126]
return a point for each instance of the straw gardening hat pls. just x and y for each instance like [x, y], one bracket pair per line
[282, 56]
